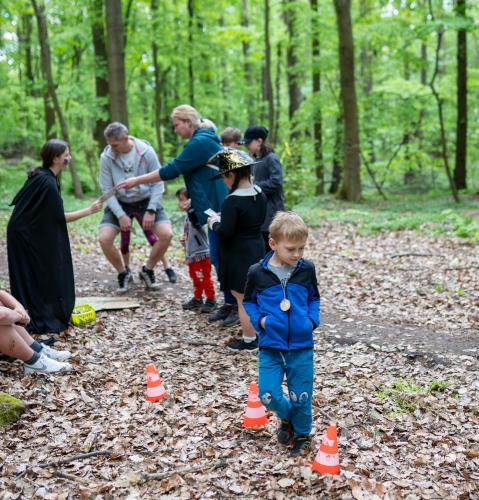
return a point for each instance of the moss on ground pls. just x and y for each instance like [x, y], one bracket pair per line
[11, 409]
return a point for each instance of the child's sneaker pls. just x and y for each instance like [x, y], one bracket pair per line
[285, 432]
[241, 345]
[208, 306]
[45, 364]
[192, 304]
[54, 354]
[301, 446]
[221, 313]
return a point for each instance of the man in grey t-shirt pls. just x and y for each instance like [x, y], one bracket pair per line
[126, 156]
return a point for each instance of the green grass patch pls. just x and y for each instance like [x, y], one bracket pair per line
[432, 214]
[402, 393]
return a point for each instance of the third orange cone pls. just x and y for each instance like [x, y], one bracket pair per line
[327, 459]
[255, 414]
[155, 391]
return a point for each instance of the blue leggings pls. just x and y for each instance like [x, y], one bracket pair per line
[298, 366]
[215, 260]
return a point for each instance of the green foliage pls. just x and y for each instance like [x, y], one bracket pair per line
[434, 214]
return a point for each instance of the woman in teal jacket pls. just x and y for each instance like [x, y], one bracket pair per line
[191, 163]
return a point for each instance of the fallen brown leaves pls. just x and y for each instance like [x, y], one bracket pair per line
[406, 428]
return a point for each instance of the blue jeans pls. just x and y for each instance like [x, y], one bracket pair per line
[299, 369]
[215, 260]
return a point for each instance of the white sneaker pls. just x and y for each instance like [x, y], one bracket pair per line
[54, 354]
[148, 277]
[46, 365]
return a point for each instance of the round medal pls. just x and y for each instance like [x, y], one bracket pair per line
[285, 305]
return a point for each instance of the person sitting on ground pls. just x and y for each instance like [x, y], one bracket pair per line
[239, 232]
[197, 253]
[16, 342]
[231, 137]
[125, 157]
[282, 301]
[40, 263]
[267, 173]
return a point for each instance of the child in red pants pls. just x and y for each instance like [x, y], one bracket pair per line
[197, 252]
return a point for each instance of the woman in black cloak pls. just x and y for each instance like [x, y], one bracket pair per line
[39, 257]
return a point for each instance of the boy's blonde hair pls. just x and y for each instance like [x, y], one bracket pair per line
[288, 226]
[186, 112]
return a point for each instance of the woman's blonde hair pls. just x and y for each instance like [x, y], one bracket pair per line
[288, 226]
[186, 112]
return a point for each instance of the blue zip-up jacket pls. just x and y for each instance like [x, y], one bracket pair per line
[191, 163]
[284, 330]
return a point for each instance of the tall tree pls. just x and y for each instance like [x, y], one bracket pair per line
[101, 71]
[317, 116]
[351, 187]
[248, 67]
[290, 12]
[191, 76]
[460, 169]
[116, 62]
[39, 9]
[267, 81]
[158, 77]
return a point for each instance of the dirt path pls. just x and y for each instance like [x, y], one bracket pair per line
[406, 408]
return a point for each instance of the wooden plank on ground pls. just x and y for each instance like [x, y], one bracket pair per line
[108, 303]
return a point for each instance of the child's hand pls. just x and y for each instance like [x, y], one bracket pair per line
[24, 317]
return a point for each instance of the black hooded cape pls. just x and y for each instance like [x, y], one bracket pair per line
[39, 256]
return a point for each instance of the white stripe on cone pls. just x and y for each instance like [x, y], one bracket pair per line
[254, 412]
[153, 392]
[152, 377]
[327, 459]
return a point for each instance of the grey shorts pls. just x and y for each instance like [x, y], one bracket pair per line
[134, 211]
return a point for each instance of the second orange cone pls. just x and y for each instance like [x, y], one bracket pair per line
[155, 391]
[327, 459]
[255, 414]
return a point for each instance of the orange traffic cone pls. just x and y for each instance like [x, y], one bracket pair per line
[255, 414]
[327, 459]
[155, 391]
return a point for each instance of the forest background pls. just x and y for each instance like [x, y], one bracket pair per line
[369, 100]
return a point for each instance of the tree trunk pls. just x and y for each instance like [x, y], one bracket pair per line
[26, 50]
[338, 147]
[351, 187]
[116, 62]
[317, 118]
[268, 84]
[101, 72]
[292, 61]
[47, 72]
[191, 81]
[157, 79]
[248, 68]
[277, 88]
[460, 169]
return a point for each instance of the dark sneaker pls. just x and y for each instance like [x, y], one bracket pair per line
[124, 280]
[192, 304]
[241, 345]
[148, 277]
[221, 313]
[301, 446]
[232, 319]
[171, 275]
[208, 306]
[285, 432]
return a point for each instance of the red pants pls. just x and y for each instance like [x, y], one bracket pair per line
[200, 273]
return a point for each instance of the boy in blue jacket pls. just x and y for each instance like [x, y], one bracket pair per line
[282, 301]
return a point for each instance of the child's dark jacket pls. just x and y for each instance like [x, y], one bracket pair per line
[284, 330]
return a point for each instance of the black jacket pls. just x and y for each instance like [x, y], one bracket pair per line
[268, 175]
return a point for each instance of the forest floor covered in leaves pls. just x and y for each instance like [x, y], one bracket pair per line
[396, 366]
